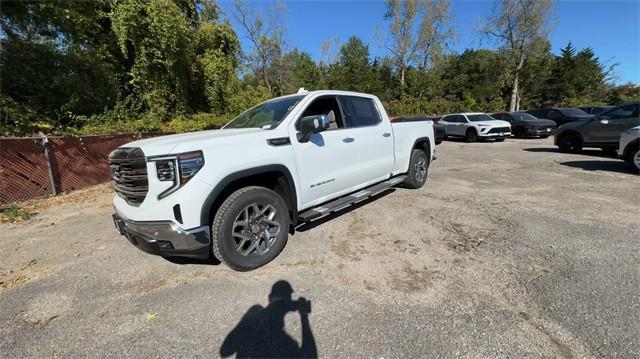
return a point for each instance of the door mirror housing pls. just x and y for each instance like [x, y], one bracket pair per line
[604, 121]
[312, 124]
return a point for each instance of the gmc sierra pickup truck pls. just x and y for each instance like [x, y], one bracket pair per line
[236, 193]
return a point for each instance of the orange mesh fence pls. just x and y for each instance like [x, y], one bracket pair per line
[76, 162]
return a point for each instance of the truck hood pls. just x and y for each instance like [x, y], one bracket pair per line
[168, 144]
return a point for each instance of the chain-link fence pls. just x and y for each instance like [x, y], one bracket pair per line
[35, 167]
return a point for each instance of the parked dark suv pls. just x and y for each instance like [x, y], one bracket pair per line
[601, 131]
[594, 110]
[525, 125]
[560, 115]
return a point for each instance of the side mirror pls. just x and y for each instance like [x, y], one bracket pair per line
[312, 124]
[604, 121]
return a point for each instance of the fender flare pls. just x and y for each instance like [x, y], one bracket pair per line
[205, 215]
[415, 145]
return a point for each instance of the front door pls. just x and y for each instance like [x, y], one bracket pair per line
[608, 126]
[342, 158]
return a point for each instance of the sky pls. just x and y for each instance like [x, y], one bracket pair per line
[610, 28]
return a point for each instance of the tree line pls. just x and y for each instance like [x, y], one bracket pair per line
[131, 66]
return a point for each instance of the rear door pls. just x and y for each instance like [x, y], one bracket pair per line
[449, 123]
[372, 137]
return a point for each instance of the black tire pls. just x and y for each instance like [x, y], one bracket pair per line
[471, 135]
[239, 204]
[633, 158]
[519, 132]
[500, 139]
[570, 143]
[417, 175]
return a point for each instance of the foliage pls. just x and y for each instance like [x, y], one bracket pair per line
[132, 66]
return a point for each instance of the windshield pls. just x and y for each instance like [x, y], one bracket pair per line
[523, 116]
[573, 112]
[480, 117]
[267, 115]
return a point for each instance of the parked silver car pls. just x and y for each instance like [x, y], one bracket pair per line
[602, 131]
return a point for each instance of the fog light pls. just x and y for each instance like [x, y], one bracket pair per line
[165, 245]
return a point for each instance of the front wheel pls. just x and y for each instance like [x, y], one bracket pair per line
[418, 169]
[471, 136]
[250, 228]
[569, 143]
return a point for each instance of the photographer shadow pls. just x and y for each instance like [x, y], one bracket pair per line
[260, 333]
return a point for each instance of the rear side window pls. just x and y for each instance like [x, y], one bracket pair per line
[359, 111]
[622, 112]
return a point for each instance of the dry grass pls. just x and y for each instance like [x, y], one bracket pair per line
[22, 211]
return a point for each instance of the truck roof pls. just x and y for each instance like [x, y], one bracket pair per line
[303, 92]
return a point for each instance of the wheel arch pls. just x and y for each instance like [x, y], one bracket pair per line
[423, 143]
[276, 177]
[634, 144]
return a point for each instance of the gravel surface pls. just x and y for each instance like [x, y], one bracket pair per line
[510, 250]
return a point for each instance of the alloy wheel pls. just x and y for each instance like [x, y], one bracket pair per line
[256, 229]
[421, 170]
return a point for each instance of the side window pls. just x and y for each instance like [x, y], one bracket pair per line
[622, 112]
[359, 111]
[500, 116]
[325, 106]
[554, 115]
[461, 119]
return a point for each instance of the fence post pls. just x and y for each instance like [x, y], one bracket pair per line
[47, 157]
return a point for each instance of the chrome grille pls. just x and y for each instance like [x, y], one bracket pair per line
[129, 174]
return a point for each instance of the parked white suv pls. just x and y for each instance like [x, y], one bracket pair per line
[237, 192]
[629, 147]
[473, 126]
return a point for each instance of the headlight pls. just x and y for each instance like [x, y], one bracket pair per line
[178, 169]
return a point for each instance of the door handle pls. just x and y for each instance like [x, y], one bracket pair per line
[386, 134]
[348, 139]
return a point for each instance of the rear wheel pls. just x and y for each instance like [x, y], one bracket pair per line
[569, 142]
[418, 169]
[250, 228]
[471, 135]
[633, 158]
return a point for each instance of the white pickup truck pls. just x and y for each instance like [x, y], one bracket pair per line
[236, 193]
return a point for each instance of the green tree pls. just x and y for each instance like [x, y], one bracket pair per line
[518, 24]
[300, 71]
[353, 70]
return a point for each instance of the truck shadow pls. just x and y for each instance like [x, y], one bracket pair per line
[184, 260]
[595, 153]
[261, 331]
[315, 223]
[607, 166]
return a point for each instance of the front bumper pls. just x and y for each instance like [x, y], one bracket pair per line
[164, 238]
[540, 131]
[495, 135]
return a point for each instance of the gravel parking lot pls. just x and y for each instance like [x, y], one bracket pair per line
[511, 249]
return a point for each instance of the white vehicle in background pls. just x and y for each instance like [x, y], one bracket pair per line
[629, 147]
[474, 126]
[237, 192]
